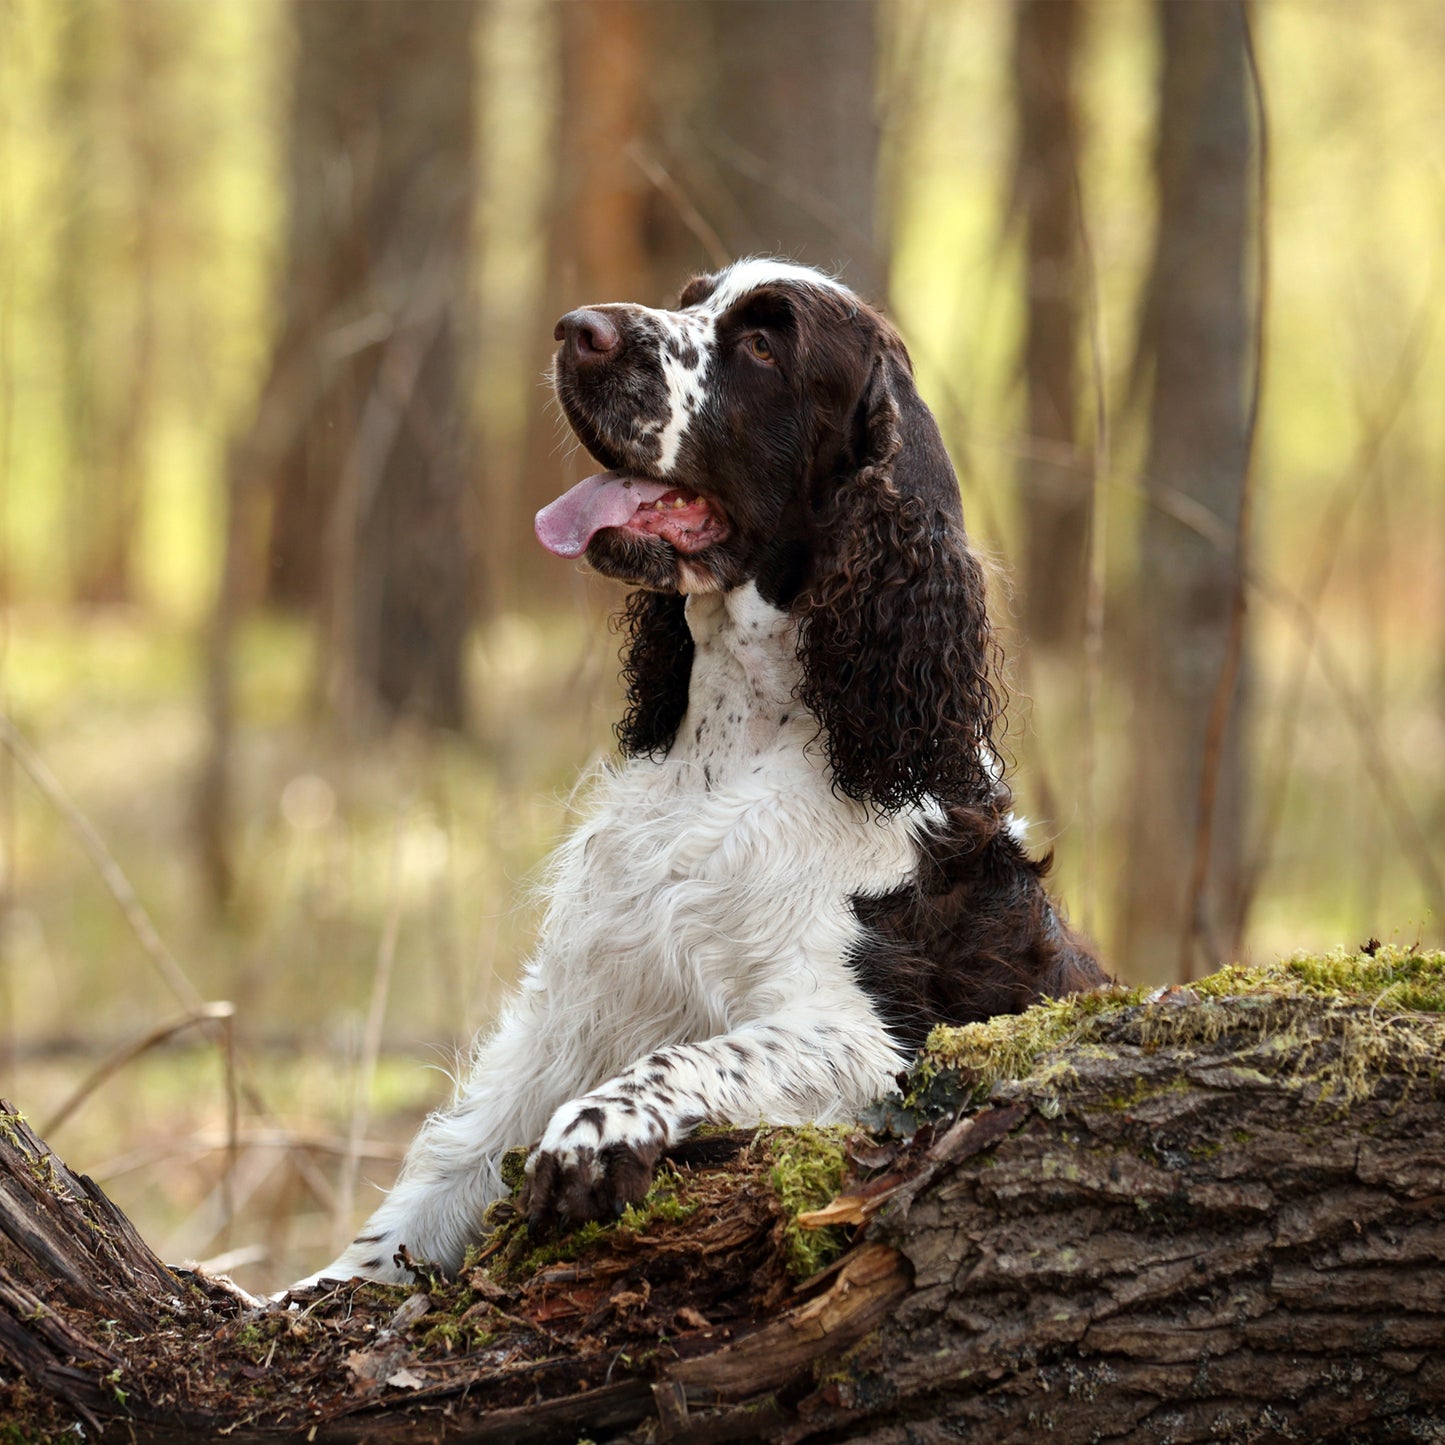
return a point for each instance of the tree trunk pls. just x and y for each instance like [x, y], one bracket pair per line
[1195, 335]
[115, 188]
[784, 144]
[1054, 476]
[369, 484]
[1213, 1215]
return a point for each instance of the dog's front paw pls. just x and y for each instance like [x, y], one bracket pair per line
[595, 1159]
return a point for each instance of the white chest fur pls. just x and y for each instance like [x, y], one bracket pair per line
[714, 885]
[693, 963]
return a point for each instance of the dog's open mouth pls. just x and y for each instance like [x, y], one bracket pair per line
[637, 504]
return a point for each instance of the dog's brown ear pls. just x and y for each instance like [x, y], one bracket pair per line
[899, 662]
[699, 288]
[656, 668]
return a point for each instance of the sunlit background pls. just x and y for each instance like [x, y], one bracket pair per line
[294, 703]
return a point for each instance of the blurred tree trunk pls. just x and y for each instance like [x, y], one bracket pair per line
[151, 46]
[600, 246]
[114, 189]
[1195, 336]
[73, 106]
[691, 135]
[369, 483]
[1054, 477]
[359, 441]
[98, 564]
[786, 139]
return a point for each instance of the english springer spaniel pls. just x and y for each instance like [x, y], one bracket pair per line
[806, 855]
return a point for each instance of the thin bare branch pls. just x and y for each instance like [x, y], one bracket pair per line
[214, 1141]
[1304, 618]
[666, 185]
[1094, 577]
[112, 876]
[371, 1041]
[201, 1015]
[1348, 496]
[145, 930]
[1408, 833]
[759, 169]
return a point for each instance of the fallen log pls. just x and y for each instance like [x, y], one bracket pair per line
[1207, 1214]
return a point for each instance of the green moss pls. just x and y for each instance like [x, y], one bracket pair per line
[663, 1203]
[566, 1247]
[1141, 1088]
[513, 1169]
[1009, 1046]
[16, 1435]
[1398, 977]
[809, 1166]
[445, 1333]
[1330, 1022]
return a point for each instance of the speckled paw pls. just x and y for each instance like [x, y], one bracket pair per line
[568, 1187]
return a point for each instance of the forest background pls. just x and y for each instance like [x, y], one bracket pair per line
[293, 704]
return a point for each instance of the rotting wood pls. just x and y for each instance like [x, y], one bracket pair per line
[1216, 1214]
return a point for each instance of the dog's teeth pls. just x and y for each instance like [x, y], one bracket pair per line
[678, 503]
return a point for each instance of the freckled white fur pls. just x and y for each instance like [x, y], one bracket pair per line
[684, 383]
[701, 912]
[697, 326]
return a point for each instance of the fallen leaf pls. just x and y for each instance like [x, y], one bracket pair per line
[845, 1209]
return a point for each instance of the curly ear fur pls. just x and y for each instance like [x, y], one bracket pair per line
[899, 662]
[656, 667]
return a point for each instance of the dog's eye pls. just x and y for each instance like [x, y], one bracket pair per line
[758, 345]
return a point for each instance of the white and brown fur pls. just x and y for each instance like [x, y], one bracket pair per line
[805, 854]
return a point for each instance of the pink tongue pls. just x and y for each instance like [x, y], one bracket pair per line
[610, 499]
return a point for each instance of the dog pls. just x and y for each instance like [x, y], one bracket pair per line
[806, 854]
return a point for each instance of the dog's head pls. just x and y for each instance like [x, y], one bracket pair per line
[769, 430]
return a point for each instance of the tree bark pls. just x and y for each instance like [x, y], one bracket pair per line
[1197, 1217]
[1195, 339]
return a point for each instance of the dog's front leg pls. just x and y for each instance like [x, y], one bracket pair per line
[795, 1066]
[451, 1173]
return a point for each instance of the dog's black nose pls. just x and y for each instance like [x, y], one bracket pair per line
[588, 335]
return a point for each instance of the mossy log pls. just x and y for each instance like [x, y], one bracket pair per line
[1207, 1214]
